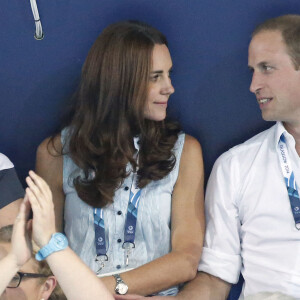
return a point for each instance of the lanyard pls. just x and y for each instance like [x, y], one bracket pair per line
[289, 179]
[101, 256]
[129, 231]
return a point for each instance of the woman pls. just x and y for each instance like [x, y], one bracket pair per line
[124, 165]
[23, 277]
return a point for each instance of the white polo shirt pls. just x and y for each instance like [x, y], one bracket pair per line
[10, 186]
[250, 225]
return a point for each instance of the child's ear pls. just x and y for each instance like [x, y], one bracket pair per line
[47, 288]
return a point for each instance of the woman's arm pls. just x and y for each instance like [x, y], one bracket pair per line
[180, 265]
[49, 165]
[203, 287]
[75, 278]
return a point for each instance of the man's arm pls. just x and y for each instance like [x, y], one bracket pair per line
[205, 287]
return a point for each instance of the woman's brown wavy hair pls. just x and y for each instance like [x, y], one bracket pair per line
[108, 112]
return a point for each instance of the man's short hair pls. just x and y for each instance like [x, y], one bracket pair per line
[289, 26]
[43, 268]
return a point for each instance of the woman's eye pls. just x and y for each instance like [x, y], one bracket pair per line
[154, 78]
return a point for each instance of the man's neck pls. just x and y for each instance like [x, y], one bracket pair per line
[294, 130]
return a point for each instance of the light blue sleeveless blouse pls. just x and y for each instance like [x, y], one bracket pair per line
[153, 230]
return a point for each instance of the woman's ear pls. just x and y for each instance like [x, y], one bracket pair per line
[47, 288]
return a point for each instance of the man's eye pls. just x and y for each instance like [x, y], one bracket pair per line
[267, 68]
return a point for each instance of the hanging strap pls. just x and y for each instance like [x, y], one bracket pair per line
[289, 179]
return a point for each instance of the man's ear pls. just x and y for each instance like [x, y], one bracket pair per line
[47, 288]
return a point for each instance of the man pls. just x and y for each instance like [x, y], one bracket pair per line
[11, 192]
[252, 203]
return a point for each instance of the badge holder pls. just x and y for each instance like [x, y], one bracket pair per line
[100, 260]
[128, 246]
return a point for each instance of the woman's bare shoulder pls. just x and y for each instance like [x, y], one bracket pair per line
[50, 149]
[192, 147]
[49, 158]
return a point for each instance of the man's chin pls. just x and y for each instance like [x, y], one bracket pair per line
[267, 117]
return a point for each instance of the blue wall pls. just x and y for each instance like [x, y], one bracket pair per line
[208, 42]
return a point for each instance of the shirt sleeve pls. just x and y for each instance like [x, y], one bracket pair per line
[221, 256]
[10, 186]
